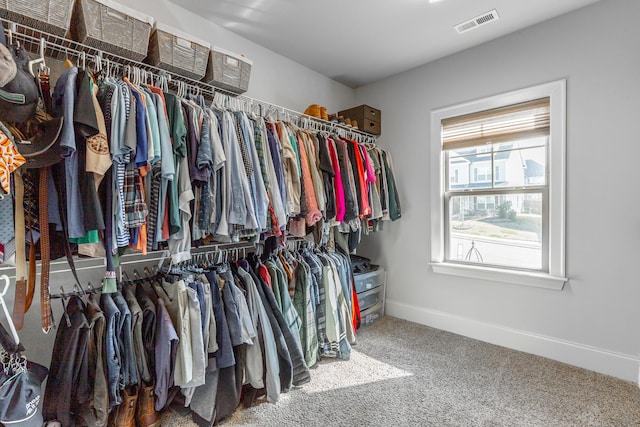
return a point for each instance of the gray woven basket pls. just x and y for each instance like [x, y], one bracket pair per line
[228, 71]
[105, 28]
[178, 54]
[50, 16]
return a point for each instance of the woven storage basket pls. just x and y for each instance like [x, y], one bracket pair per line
[50, 16]
[177, 52]
[112, 27]
[228, 71]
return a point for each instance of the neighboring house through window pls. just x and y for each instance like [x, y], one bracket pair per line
[498, 183]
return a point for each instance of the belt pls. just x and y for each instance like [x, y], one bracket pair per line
[58, 179]
[25, 289]
[19, 301]
[45, 303]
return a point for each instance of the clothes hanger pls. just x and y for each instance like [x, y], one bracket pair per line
[81, 293]
[40, 59]
[149, 278]
[126, 278]
[63, 300]
[155, 283]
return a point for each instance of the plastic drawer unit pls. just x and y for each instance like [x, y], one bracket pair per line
[369, 280]
[370, 298]
[370, 287]
[372, 314]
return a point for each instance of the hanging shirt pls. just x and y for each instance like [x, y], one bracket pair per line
[291, 171]
[193, 122]
[254, 361]
[178, 132]
[311, 145]
[198, 355]
[64, 97]
[261, 198]
[217, 188]
[167, 169]
[224, 355]
[303, 304]
[180, 242]
[272, 367]
[311, 211]
[86, 128]
[358, 172]
[348, 182]
[241, 211]
[374, 187]
[166, 345]
[176, 300]
[328, 176]
[153, 126]
[394, 198]
[210, 320]
[98, 156]
[276, 159]
[142, 138]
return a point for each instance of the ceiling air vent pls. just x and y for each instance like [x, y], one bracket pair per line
[485, 18]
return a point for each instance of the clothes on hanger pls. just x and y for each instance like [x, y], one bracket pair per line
[147, 170]
[214, 332]
[184, 174]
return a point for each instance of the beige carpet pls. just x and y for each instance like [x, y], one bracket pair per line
[405, 374]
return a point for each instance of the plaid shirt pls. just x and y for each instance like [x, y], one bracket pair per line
[135, 208]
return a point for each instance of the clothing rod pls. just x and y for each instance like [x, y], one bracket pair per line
[75, 292]
[60, 48]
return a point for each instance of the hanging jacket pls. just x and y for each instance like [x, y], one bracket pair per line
[270, 337]
[300, 371]
[68, 382]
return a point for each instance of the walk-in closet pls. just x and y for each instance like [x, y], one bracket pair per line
[275, 213]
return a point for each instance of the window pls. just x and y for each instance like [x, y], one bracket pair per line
[506, 222]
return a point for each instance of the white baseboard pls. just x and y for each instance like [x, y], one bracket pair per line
[607, 362]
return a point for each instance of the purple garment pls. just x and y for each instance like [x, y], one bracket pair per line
[165, 352]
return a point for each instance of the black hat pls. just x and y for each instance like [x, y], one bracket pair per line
[18, 97]
[44, 148]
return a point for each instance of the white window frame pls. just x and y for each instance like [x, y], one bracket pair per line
[556, 171]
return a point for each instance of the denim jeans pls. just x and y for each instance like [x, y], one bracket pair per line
[112, 349]
[127, 354]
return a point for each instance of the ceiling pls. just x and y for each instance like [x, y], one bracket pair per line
[357, 42]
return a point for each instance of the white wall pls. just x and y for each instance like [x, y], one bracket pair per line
[274, 78]
[594, 321]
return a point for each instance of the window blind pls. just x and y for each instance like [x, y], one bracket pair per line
[512, 122]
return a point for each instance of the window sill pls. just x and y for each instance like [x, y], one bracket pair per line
[525, 278]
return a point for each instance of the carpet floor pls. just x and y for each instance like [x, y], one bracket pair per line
[405, 374]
